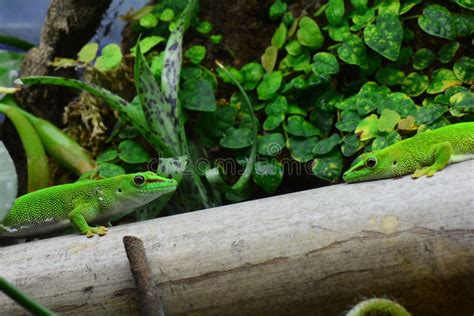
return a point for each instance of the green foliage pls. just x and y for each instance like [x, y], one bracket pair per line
[110, 58]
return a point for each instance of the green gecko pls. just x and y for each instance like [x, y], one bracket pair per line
[57, 207]
[422, 155]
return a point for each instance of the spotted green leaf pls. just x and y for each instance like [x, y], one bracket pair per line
[367, 128]
[464, 24]
[350, 145]
[252, 73]
[273, 121]
[349, 121]
[335, 12]
[468, 4]
[147, 43]
[329, 166]
[370, 97]
[236, 138]
[198, 95]
[423, 58]
[385, 139]
[414, 84]
[464, 69]
[196, 53]
[353, 51]
[309, 33]
[324, 146]
[437, 21]
[339, 32]
[110, 58]
[277, 107]
[267, 89]
[463, 101]
[301, 149]
[325, 64]
[107, 155]
[400, 103]
[447, 51]
[271, 144]
[390, 76]
[407, 6]
[349, 103]
[268, 174]
[294, 48]
[442, 79]
[430, 112]
[385, 37]
[387, 120]
[298, 126]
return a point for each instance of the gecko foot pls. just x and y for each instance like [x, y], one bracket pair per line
[100, 230]
[429, 172]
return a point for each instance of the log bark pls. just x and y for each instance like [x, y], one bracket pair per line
[313, 252]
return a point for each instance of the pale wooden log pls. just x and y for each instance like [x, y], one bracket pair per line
[313, 252]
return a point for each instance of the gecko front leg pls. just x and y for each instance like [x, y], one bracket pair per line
[77, 217]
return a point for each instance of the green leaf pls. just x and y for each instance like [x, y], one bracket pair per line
[204, 27]
[296, 110]
[271, 144]
[226, 78]
[110, 58]
[236, 138]
[367, 128]
[467, 4]
[268, 88]
[277, 9]
[294, 48]
[298, 126]
[322, 120]
[148, 21]
[407, 6]
[167, 15]
[273, 121]
[198, 95]
[59, 63]
[437, 21]
[349, 103]
[353, 52]
[196, 53]
[388, 120]
[215, 39]
[146, 44]
[464, 24]
[328, 167]
[324, 146]
[447, 51]
[325, 64]
[350, 145]
[463, 101]
[423, 58]
[298, 63]
[414, 84]
[269, 58]
[88, 52]
[10, 63]
[386, 139]
[252, 73]
[132, 152]
[430, 112]
[277, 107]
[386, 36]
[339, 32]
[349, 121]
[309, 33]
[335, 12]
[301, 149]
[370, 97]
[442, 79]
[464, 69]
[214, 124]
[107, 155]
[390, 76]
[268, 175]
[279, 37]
[400, 103]
[109, 170]
[361, 17]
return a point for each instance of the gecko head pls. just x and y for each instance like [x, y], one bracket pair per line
[143, 187]
[374, 165]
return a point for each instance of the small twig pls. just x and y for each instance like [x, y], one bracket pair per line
[24, 300]
[150, 302]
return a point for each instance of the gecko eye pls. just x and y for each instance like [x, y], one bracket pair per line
[371, 162]
[139, 180]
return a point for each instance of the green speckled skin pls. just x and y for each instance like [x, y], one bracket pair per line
[83, 202]
[423, 154]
